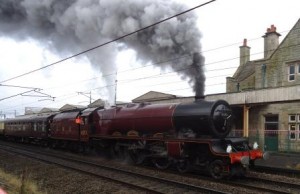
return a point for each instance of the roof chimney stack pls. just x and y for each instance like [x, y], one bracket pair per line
[244, 53]
[271, 41]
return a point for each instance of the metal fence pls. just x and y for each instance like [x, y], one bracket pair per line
[273, 140]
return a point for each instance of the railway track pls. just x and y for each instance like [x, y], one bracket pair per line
[277, 171]
[264, 185]
[142, 182]
[280, 185]
[254, 184]
[156, 184]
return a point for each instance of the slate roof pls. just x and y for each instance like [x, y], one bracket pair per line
[68, 107]
[244, 71]
[97, 103]
[152, 96]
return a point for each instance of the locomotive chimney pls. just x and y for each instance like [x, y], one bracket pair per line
[199, 98]
[271, 41]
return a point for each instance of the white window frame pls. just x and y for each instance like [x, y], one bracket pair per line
[292, 120]
[292, 131]
[289, 72]
[296, 129]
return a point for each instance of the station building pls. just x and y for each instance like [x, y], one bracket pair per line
[268, 90]
[264, 94]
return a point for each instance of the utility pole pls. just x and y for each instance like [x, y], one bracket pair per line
[2, 115]
[116, 87]
[86, 95]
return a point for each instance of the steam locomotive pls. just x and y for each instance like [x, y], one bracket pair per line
[189, 136]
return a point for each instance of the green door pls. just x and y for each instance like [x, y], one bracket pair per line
[271, 133]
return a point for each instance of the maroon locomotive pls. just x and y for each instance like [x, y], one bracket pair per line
[187, 135]
[196, 119]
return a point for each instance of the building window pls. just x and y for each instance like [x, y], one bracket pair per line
[292, 72]
[292, 118]
[294, 127]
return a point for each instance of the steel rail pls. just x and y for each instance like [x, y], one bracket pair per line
[175, 184]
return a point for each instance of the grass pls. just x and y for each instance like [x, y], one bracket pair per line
[13, 184]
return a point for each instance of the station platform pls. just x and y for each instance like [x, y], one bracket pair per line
[281, 160]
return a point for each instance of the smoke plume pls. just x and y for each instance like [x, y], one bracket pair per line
[71, 26]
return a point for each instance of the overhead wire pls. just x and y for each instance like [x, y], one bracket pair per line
[206, 64]
[112, 85]
[188, 55]
[209, 50]
[181, 57]
[109, 42]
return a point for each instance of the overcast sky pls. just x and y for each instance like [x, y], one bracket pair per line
[223, 25]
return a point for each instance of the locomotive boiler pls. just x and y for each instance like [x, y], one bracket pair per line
[186, 120]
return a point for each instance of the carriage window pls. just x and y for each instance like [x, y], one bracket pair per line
[43, 126]
[34, 127]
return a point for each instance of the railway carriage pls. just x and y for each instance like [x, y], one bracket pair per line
[28, 128]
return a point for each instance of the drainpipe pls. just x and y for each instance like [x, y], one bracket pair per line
[263, 70]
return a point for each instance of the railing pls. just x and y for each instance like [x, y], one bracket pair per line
[273, 140]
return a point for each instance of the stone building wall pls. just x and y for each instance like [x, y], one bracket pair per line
[283, 110]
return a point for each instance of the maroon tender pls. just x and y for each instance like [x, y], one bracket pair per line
[64, 126]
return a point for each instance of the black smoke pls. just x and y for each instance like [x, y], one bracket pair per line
[71, 26]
